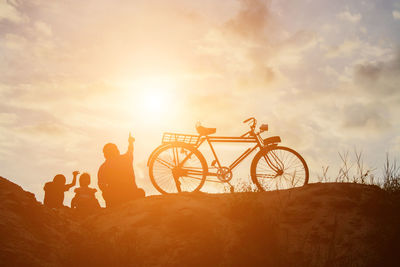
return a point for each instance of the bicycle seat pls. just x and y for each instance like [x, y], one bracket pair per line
[205, 131]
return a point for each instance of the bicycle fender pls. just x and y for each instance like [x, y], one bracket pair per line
[272, 140]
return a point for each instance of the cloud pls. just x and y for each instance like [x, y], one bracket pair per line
[44, 128]
[290, 51]
[15, 42]
[368, 71]
[349, 17]
[251, 20]
[251, 48]
[380, 78]
[9, 13]
[396, 15]
[43, 28]
[344, 49]
[365, 117]
[371, 99]
[7, 118]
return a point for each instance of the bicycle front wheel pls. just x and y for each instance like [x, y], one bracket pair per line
[279, 168]
[176, 168]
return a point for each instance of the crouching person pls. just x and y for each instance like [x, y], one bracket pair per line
[85, 200]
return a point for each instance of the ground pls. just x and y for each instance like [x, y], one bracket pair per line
[324, 224]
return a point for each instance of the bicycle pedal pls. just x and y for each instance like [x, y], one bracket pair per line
[213, 163]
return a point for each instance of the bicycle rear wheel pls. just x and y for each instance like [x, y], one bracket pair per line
[279, 168]
[176, 168]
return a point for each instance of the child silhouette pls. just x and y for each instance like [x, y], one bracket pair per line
[54, 191]
[85, 199]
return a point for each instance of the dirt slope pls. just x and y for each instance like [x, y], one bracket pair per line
[317, 225]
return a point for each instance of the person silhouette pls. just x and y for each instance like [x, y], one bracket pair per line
[54, 191]
[85, 200]
[116, 177]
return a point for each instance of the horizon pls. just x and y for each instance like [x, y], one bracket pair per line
[323, 75]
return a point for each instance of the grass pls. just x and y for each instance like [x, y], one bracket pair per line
[354, 170]
[351, 170]
[391, 176]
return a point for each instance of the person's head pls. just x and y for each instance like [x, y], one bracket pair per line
[84, 179]
[110, 151]
[59, 179]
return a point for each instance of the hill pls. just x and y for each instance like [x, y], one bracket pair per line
[330, 224]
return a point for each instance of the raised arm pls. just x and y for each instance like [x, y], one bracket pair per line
[68, 186]
[130, 146]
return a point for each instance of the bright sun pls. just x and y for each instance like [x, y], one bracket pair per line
[155, 100]
[155, 95]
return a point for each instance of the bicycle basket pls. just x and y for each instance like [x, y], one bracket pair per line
[175, 137]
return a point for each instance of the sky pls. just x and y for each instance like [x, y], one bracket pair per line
[75, 75]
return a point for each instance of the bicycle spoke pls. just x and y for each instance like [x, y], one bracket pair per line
[282, 161]
[165, 163]
[269, 176]
[192, 177]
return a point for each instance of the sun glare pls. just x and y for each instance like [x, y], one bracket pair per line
[155, 100]
[152, 98]
[154, 95]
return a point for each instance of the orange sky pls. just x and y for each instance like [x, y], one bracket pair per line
[76, 75]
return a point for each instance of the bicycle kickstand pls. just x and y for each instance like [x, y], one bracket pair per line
[231, 188]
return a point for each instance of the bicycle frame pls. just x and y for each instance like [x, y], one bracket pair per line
[222, 139]
[249, 137]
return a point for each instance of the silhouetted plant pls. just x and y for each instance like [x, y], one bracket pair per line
[324, 176]
[355, 171]
[246, 187]
[352, 170]
[391, 175]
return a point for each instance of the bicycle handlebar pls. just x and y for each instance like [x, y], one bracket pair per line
[249, 119]
[253, 123]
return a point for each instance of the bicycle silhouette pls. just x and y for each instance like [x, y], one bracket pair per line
[178, 166]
